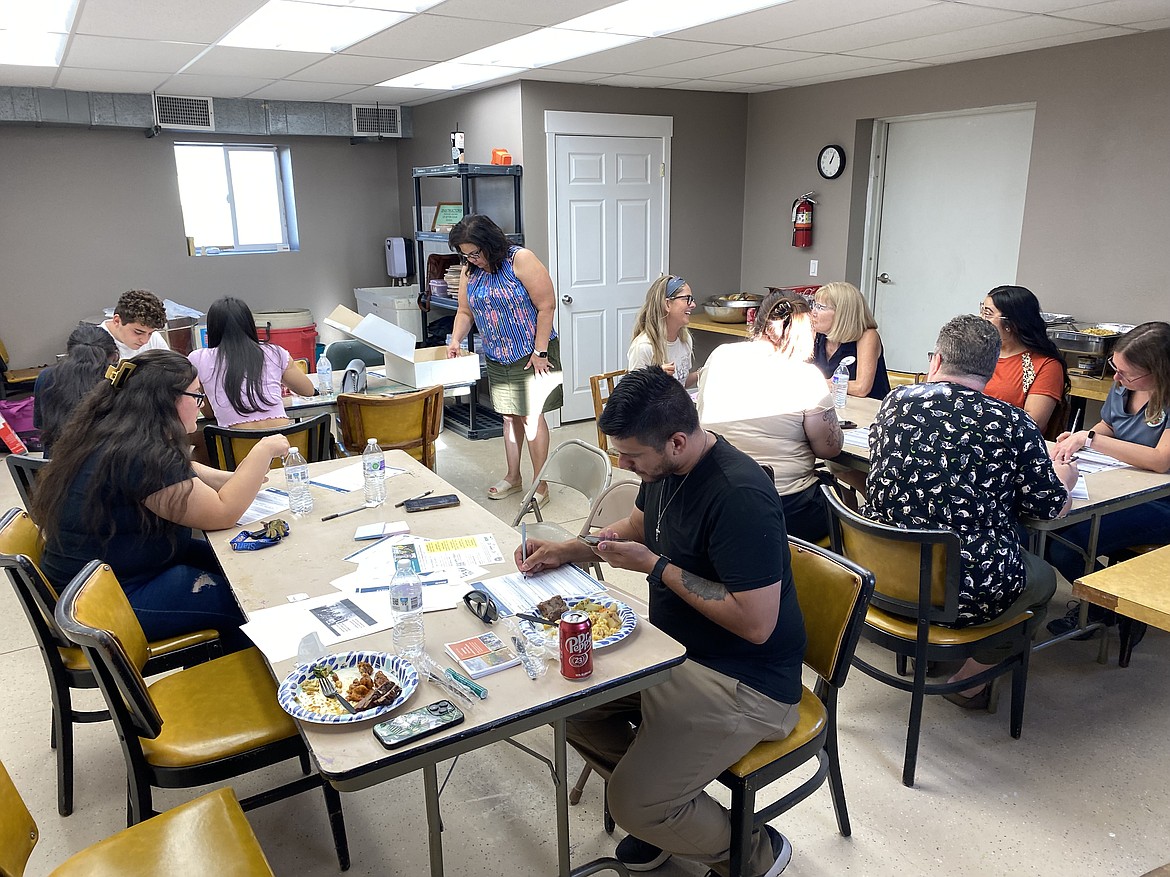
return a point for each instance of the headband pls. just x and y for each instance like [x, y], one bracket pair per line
[673, 285]
[117, 374]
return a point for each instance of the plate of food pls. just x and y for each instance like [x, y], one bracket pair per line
[612, 620]
[373, 682]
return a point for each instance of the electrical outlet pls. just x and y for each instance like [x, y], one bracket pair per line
[812, 267]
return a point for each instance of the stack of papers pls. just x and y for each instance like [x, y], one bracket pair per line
[517, 593]
[1090, 461]
[859, 437]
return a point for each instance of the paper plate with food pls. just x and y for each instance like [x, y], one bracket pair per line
[612, 620]
[374, 683]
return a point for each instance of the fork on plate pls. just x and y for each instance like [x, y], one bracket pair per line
[330, 690]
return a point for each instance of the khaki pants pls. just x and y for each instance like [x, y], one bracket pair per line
[689, 730]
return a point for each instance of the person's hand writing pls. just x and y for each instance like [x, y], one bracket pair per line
[1068, 445]
[541, 556]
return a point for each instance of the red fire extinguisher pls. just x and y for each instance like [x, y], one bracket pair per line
[802, 220]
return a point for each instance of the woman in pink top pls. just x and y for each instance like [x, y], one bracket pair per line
[243, 379]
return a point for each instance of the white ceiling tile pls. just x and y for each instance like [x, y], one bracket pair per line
[1097, 33]
[301, 91]
[213, 86]
[80, 79]
[1035, 6]
[727, 62]
[712, 85]
[892, 67]
[433, 38]
[796, 17]
[261, 63]
[1002, 33]
[203, 22]
[630, 80]
[639, 56]
[814, 66]
[538, 12]
[1120, 11]
[551, 74]
[355, 70]
[19, 76]
[375, 94]
[141, 56]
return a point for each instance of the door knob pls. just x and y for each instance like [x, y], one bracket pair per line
[567, 299]
[884, 278]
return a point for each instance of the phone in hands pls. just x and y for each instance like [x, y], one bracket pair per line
[594, 541]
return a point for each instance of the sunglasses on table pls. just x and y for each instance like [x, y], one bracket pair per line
[482, 606]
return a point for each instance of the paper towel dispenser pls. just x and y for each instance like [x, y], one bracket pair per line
[399, 258]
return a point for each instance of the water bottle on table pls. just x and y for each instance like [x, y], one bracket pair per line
[406, 608]
[324, 376]
[296, 482]
[840, 386]
[374, 473]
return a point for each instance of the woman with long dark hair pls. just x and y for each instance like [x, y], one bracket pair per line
[59, 388]
[243, 377]
[1031, 373]
[122, 489]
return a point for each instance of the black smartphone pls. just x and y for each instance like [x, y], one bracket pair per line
[431, 502]
[594, 541]
[421, 722]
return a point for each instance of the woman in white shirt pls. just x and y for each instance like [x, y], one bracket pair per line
[765, 398]
[661, 336]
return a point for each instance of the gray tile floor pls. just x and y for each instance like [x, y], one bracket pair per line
[1083, 792]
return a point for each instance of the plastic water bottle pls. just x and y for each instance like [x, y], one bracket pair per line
[324, 376]
[296, 482]
[840, 386]
[406, 608]
[374, 472]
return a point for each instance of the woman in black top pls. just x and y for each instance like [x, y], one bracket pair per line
[60, 388]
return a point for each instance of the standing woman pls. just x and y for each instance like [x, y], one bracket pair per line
[1031, 372]
[768, 400]
[242, 377]
[59, 388]
[123, 489]
[661, 336]
[846, 327]
[508, 293]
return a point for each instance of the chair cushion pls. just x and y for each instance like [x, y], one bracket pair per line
[907, 628]
[74, 659]
[216, 710]
[170, 644]
[209, 835]
[811, 723]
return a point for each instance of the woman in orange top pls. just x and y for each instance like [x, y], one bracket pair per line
[1031, 373]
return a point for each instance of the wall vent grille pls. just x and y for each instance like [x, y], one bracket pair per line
[188, 113]
[374, 119]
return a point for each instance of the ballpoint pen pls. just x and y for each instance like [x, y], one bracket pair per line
[399, 505]
[524, 545]
[368, 505]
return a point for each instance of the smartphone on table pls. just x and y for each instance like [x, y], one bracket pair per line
[427, 503]
[421, 722]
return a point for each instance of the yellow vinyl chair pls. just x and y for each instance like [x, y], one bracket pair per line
[202, 725]
[901, 379]
[227, 446]
[209, 835]
[601, 386]
[408, 422]
[65, 665]
[16, 380]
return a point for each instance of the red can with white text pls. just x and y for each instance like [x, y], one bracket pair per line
[576, 636]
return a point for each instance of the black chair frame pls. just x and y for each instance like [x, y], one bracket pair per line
[24, 472]
[219, 439]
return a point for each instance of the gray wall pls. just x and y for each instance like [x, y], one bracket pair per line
[1097, 213]
[88, 214]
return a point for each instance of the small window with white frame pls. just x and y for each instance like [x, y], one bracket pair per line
[236, 198]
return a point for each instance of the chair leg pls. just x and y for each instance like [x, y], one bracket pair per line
[606, 816]
[900, 664]
[1019, 689]
[836, 786]
[575, 792]
[139, 801]
[306, 765]
[915, 726]
[336, 824]
[61, 739]
[743, 802]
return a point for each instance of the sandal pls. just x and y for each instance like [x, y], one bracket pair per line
[502, 488]
[540, 500]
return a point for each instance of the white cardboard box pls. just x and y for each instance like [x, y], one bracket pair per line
[395, 304]
[425, 367]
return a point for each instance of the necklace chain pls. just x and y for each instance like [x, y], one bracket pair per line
[662, 508]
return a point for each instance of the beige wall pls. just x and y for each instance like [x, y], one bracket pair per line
[85, 215]
[1097, 214]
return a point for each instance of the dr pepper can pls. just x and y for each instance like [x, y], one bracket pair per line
[576, 637]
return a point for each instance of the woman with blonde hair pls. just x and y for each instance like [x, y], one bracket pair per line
[768, 400]
[661, 336]
[845, 327]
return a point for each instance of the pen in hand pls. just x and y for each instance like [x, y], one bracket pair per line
[524, 545]
[425, 493]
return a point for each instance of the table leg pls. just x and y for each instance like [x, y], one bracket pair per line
[1090, 562]
[430, 774]
[561, 763]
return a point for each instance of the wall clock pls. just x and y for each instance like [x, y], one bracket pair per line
[831, 162]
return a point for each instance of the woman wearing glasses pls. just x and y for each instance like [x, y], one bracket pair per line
[243, 378]
[122, 488]
[1132, 429]
[508, 293]
[661, 336]
[768, 400]
[845, 327]
[1031, 373]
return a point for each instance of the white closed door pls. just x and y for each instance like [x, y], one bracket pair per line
[610, 247]
[952, 207]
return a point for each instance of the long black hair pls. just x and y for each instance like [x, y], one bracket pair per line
[89, 350]
[1020, 309]
[239, 368]
[482, 232]
[128, 441]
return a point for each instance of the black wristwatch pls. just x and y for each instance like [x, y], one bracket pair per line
[655, 577]
[543, 354]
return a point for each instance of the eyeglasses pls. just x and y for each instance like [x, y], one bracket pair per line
[818, 308]
[1126, 376]
[482, 606]
[467, 257]
[689, 299]
[199, 398]
[987, 313]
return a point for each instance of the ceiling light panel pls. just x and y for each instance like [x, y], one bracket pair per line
[654, 18]
[45, 16]
[411, 6]
[543, 47]
[25, 49]
[294, 26]
[450, 75]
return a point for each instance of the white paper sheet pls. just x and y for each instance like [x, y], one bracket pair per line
[858, 437]
[335, 618]
[1091, 461]
[1080, 489]
[515, 593]
[268, 502]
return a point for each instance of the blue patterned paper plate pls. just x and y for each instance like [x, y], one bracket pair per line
[542, 635]
[310, 706]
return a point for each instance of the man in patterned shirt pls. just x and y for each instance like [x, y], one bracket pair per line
[944, 455]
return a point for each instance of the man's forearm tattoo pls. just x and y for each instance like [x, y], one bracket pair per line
[836, 436]
[704, 589]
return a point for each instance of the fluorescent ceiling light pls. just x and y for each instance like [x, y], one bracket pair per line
[450, 75]
[653, 18]
[391, 5]
[549, 45]
[26, 49]
[32, 34]
[293, 26]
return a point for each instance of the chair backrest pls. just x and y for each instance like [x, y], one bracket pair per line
[834, 594]
[899, 379]
[20, 555]
[1058, 421]
[18, 830]
[615, 503]
[601, 386]
[227, 446]
[339, 353]
[94, 613]
[23, 470]
[579, 465]
[408, 422]
[916, 572]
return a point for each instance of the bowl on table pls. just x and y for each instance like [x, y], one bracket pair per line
[731, 308]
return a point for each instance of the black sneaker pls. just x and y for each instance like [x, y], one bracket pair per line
[781, 851]
[1072, 620]
[637, 855]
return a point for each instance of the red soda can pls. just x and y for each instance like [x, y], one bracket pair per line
[576, 637]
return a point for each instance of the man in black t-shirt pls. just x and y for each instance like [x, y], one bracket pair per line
[708, 529]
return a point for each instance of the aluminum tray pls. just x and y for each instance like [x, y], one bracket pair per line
[1077, 341]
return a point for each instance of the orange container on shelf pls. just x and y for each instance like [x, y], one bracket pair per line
[501, 156]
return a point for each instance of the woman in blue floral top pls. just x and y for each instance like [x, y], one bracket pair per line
[508, 293]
